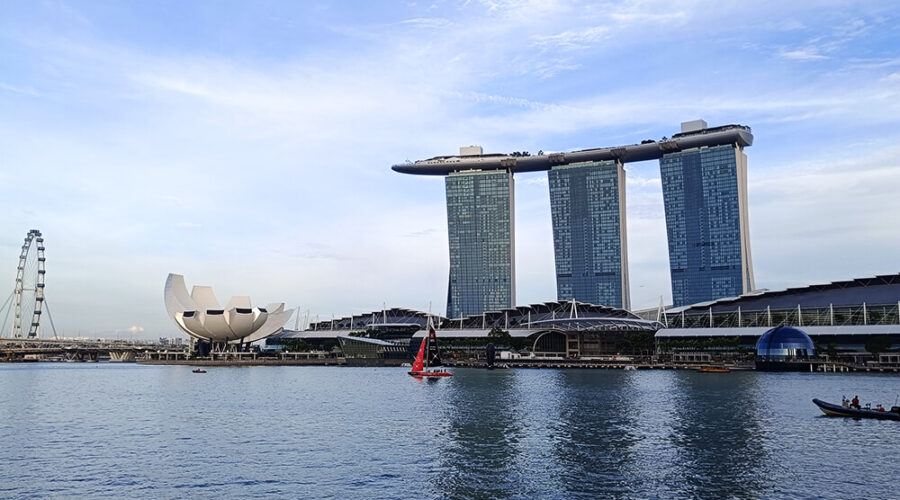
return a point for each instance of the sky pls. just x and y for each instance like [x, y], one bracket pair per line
[248, 145]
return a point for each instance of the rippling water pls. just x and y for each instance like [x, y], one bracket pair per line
[127, 431]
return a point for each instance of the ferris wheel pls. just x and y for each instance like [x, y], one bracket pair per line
[29, 289]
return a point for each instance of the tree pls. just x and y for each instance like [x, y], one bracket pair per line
[878, 343]
[642, 341]
[500, 336]
[624, 346]
[295, 345]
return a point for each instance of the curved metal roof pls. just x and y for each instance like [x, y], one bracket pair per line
[512, 317]
[756, 331]
[882, 289]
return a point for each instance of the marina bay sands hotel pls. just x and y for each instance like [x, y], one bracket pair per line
[704, 183]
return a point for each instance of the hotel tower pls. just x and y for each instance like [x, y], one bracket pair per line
[704, 183]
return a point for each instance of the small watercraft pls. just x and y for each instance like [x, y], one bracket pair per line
[198, 370]
[428, 355]
[713, 369]
[833, 410]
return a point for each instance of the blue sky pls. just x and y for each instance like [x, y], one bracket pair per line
[247, 145]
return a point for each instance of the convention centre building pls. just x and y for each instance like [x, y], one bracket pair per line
[554, 329]
[841, 316]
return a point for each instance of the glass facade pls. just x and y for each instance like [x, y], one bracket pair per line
[482, 242]
[705, 198]
[587, 203]
[785, 342]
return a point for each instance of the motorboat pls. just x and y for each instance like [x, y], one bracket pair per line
[833, 410]
[198, 370]
[713, 369]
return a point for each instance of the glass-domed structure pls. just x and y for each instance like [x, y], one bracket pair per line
[785, 342]
[784, 348]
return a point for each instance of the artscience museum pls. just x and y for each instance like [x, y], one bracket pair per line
[214, 328]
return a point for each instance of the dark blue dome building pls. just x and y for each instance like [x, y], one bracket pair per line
[784, 348]
[784, 342]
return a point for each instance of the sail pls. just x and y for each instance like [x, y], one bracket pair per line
[418, 365]
[490, 353]
[434, 355]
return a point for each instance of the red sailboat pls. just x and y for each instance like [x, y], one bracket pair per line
[428, 356]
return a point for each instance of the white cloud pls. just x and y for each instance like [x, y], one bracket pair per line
[570, 40]
[427, 22]
[644, 182]
[803, 54]
[19, 90]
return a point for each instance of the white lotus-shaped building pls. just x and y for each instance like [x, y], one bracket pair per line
[200, 315]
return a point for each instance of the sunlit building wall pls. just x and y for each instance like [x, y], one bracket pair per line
[480, 208]
[587, 202]
[705, 199]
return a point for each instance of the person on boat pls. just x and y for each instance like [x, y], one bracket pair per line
[879, 408]
[844, 402]
[855, 402]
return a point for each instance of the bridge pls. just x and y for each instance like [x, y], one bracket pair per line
[82, 349]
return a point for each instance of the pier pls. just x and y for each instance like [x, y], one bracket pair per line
[815, 366]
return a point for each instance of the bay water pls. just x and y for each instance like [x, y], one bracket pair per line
[129, 431]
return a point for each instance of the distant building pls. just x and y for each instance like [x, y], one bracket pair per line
[481, 234]
[214, 328]
[846, 314]
[587, 203]
[705, 199]
[356, 350]
[550, 329]
[705, 188]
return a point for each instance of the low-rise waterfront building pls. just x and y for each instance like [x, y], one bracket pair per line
[849, 319]
[552, 329]
[844, 317]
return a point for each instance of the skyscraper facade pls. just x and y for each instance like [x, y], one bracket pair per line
[705, 199]
[481, 230]
[587, 204]
[704, 181]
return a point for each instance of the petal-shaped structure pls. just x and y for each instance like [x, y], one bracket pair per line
[180, 322]
[193, 322]
[199, 315]
[176, 295]
[260, 318]
[217, 325]
[241, 301]
[274, 324]
[205, 298]
[241, 321]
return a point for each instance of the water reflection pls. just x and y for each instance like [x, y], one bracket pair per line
[479, 455]
[718, 435]
[593, 436]
[330, 432]
[651, 395]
